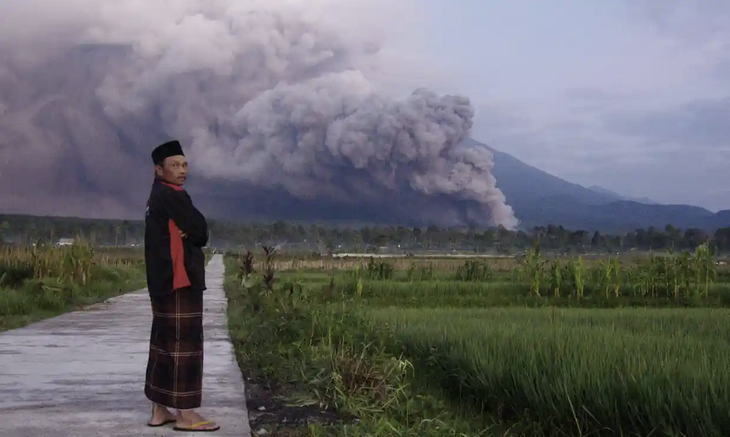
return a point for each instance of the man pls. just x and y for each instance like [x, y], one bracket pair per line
[175, 233]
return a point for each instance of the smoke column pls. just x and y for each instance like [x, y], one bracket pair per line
[287, 108]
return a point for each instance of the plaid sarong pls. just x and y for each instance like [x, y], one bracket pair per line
[175, 366]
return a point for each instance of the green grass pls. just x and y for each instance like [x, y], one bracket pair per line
[487, 356]
[27, 296]
[310, 348]
[470, 294]
[578, 371]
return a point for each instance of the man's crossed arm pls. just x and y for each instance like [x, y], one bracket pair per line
[192, 224]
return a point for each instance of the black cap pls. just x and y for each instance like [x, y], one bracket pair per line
[165, 150]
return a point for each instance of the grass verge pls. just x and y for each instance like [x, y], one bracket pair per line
[319, 369]
[40, 283]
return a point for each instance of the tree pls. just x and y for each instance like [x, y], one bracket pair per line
[596, 240]
[4, 231]
[117, 233]
[553, 237]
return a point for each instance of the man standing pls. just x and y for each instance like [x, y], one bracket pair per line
[175, 234]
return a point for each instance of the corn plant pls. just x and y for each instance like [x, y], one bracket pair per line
[576, 272]
[705, 267]
[359, 287]
[245, 269]
[534, 267]
[379, 270]
[474, 270]
[417, 272]
[617, 277]
[268, 274]
[556, 277]
[607, 270]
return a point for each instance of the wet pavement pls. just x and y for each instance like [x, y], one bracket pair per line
[82, 374]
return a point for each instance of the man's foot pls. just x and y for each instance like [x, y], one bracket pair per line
[192, 421]
[161, 416]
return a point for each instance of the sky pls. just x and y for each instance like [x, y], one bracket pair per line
[630, 95]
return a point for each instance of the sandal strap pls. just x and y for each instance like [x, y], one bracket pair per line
[199, 424]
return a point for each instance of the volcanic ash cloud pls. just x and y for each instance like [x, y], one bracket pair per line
[273, 95]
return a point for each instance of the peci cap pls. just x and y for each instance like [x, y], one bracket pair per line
[165, 150]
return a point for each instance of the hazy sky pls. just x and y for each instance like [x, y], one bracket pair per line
[631, 95]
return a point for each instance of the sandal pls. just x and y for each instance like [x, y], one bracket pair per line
[196, 427]
[164, 422]
[167, 421]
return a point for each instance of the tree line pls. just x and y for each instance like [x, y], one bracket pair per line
[24, 229]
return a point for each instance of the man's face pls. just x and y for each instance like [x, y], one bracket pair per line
[174, 170]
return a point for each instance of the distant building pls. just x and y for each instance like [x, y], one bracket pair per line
[65, 242]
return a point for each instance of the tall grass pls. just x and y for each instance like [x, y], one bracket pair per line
[306, 344]
[37, 282]
[682, 275]
[579, 372]
[686, 278]
[493, 335]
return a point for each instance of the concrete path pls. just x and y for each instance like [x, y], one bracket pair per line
[82, 374]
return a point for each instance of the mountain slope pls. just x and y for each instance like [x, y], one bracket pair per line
[524, 184]
[540, 198]
[617, 196]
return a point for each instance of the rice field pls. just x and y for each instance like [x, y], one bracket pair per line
[533, 346]
[527, 346]
[578, 371]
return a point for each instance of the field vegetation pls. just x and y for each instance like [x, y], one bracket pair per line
[40, 282]
[530, 346]
[580, 335]
[372, 238]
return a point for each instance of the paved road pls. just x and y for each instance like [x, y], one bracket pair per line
[82, 374]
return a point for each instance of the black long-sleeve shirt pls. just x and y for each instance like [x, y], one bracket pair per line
[173, 261]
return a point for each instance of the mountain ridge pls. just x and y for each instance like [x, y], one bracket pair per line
[539, 198]
[618, 196]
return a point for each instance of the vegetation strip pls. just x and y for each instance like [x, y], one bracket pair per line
[536, 345]
[483, 347]
[370, 238]
[41, 282]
